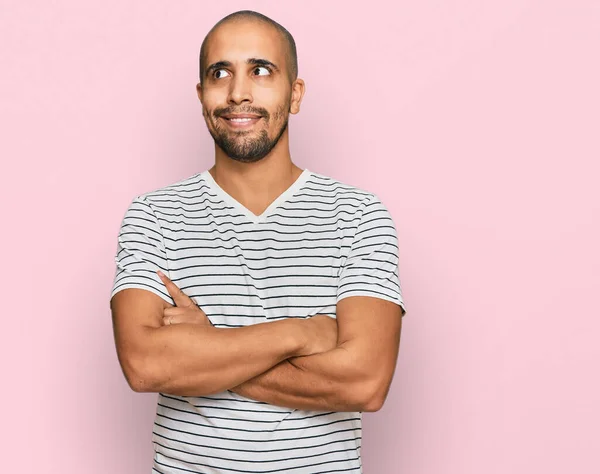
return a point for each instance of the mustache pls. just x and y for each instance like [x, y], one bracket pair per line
[247, 110]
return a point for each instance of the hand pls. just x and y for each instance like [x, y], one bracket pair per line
[185, 310]
[322, 334]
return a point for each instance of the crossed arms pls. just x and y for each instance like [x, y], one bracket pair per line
[313, 364]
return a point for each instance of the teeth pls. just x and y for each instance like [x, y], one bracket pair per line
[240, 119]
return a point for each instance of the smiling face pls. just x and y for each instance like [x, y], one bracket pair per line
[246, 92]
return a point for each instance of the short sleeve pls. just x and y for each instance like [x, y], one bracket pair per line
[371, 268]
[141, 252]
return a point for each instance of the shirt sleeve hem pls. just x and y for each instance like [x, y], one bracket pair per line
[140, 286]
[399, 302]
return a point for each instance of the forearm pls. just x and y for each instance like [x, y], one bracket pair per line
[196, 360]
[330, 381]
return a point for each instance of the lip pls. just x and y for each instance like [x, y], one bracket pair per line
[230, 116]
[253, 119]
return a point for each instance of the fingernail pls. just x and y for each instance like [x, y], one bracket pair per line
[160, 273]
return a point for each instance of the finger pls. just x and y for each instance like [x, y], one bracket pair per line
[180, 298]
[174, 311]
[193, 315]
[168, 320]
[183, 318]
[171, 320]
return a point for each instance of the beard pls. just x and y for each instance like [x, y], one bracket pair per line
[243, 146]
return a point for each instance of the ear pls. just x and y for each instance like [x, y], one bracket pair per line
[199, 91]
[298, 89]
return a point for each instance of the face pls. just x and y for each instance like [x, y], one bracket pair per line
[246, 92]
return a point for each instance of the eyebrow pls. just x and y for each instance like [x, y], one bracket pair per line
[253, 61]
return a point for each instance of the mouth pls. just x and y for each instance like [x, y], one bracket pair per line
[241, 121]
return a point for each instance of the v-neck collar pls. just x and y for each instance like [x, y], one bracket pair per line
[255, 219]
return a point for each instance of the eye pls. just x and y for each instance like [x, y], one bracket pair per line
[216, 73]
[264, 68]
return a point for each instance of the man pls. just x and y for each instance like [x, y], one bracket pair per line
[260, 300]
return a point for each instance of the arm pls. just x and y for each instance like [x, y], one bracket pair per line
[188, 359]
[199, 359]
[355, 376]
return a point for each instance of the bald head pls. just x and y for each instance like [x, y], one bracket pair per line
[252, 16]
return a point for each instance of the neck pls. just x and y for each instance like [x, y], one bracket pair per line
[256, 185]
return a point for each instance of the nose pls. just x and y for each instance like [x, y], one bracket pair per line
[240, 90]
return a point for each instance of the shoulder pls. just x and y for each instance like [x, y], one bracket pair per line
[367, 210]
[179, 191]
[342, 191]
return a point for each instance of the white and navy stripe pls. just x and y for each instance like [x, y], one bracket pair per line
[319, 242]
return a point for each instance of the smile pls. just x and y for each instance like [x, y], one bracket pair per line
[239, 123]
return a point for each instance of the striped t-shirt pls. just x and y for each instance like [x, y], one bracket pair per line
[320, 241]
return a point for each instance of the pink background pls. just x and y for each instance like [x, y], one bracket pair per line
[477, 123]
